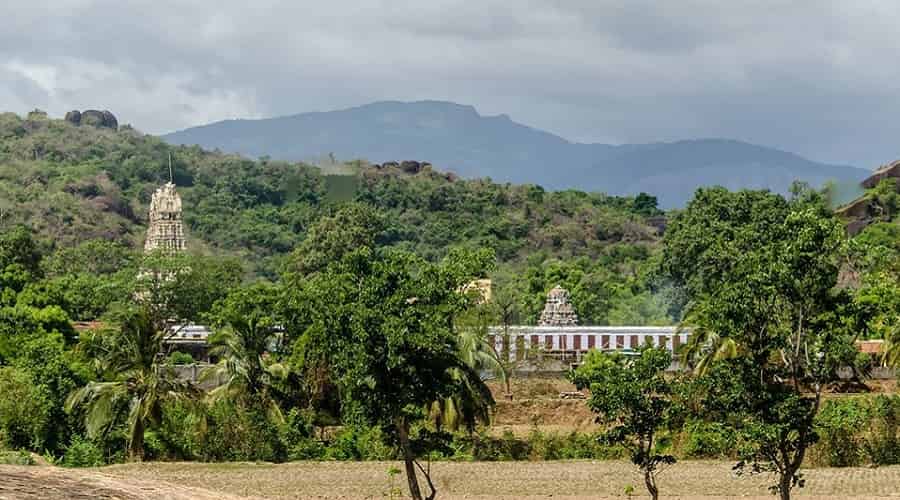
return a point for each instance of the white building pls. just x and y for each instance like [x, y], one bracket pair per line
[572, 341]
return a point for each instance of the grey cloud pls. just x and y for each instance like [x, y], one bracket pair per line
[818, 78]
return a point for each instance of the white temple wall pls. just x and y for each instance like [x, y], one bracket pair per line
[577, 340]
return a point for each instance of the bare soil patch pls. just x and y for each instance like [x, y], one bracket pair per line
[52, 483]
[500, 480]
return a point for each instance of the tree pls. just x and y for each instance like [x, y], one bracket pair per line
[385, 322]
[20, 262]
[353, 226]
[632, 397]
[178, 289]
[472, 401]
[505, 308]
[760, 273]
[17, 247]
[247, 333]
[137, 381]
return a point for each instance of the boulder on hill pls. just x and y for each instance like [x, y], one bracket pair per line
[74, 117]
[411, 167]
[94, 118]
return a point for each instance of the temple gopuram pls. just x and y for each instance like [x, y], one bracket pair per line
[165, 230]
[557, 309]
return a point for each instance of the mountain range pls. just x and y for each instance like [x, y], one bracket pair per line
[458, 139]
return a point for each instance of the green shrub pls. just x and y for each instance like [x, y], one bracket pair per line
[25, 410]
[154, 447]
[537, 445]
[839, 424]
[575, 445]
[20, 457]
[297, 436]
[83, 453]
[359, 443]
[180, 433]
[180, 358]
[240, 432]
[882, 443]
[490, 448]
[701, 439]
[307, 449]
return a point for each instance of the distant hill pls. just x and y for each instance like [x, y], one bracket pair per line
[457, 138]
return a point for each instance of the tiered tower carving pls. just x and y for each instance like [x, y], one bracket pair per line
[557, 310]
[166, 231]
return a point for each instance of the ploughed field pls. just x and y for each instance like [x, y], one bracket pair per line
[455, 480]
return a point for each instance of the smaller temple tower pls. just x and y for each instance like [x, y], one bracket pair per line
[557, 310]
[166, 231]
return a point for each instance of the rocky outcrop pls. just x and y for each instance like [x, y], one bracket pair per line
[411, 167]
[889, 171]
[74, 117]
[864, 210]
[94, 118]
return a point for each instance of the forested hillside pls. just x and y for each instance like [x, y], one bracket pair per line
[75, 186]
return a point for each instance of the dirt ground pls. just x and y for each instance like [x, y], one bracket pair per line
[36, 482]
[464, 480]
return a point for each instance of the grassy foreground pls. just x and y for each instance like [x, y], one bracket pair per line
[456, 480]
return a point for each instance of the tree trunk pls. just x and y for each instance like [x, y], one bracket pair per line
[651, 485]
[136, 451]
[784, 486]
[408, 460]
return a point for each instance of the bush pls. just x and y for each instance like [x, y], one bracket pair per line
[25, 410]
[707, 440]
[575, 445]
[83, 453]
[307, 449]
[179, 436]
[859, 430]
[839, 424]
[490, 448]
[359, 443]
[882, 444]
[239, 431]
[20, 457]
[180, 358]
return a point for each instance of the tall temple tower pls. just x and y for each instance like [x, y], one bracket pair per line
[166, 231]
[557, 310]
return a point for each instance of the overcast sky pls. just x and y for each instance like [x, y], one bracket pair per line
[815, 77]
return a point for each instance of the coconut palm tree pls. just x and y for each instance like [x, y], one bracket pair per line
[472, 401]
[137, 383]
[247, 332]
[704, 347]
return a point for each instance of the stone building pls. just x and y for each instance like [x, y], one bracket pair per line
[166, 230]
[557, 309]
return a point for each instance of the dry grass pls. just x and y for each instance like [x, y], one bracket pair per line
[479, 480]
